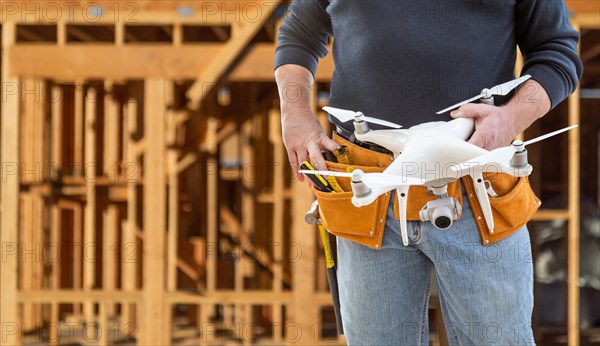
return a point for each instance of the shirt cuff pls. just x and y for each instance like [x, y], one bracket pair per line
[295, 55]
[551, 82]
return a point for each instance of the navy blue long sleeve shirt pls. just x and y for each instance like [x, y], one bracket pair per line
[403, 60]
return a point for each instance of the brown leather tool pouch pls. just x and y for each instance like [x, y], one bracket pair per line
[363, 225]
[514, 206]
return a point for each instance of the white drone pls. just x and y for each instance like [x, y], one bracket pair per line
[434, 154]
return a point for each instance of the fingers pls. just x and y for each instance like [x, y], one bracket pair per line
[472, 110]
[316, 158]
[295, 163]
[328, 143]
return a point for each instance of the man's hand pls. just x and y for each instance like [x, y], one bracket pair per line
[497, 126]
[303, 135]
[304, 138]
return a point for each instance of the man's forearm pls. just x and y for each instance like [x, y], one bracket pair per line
[294, 83]
[529, 103]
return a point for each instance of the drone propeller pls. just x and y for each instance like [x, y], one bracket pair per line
[371, 179]
[501, 89]
[504, 154]
[346, 115]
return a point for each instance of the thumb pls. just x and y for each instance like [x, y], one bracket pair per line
[478, 139]
[471, 110]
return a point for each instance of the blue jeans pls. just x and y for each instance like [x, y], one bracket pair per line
[486, 293]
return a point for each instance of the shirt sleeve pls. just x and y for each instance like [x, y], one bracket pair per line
[549, 46]
[304, 34]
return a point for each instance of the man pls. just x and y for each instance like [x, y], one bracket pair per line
[402, 61]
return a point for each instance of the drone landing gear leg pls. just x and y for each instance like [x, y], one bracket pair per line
[483, 198]
[402, 195]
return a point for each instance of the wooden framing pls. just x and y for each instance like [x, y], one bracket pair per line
[155, 93]
[189, 234]
[9, 193]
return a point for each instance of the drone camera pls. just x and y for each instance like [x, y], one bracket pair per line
[441, 212]
[442, 217]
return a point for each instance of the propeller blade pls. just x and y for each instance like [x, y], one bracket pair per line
[504, 88]
[371, 179]
[503, 154]
[548, 135]
[381, 122]
[326, 173]
[499, 155]
[382, 179]
[460, 104]
[344, 115]
[501, 89]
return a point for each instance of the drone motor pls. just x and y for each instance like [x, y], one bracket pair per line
[359, 188]
[360, 126]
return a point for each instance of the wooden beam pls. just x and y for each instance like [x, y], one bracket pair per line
[278, 214]
[246, 268]
[9, 192]
[76, 296]
[212, 201]
[77, 258]
[129, 243]
[177, 35]
[119, 33]
[57, 125]
[155, 326]
[573, 226]
[89, 220]
[26, 275]
[551, 214]
[78, 128]
[112, 171]
[61, 33]
[55, 230]
[592, 6]
[112, 62]
[144, 61]
[173, 204]
[242, 34]
[586, 20]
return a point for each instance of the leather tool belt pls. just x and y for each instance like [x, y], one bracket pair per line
[513, 207]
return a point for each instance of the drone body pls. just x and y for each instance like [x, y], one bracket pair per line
[433, 154]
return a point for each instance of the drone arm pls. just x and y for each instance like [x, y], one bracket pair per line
[483, 198]
[402, 195]
[375, 193]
